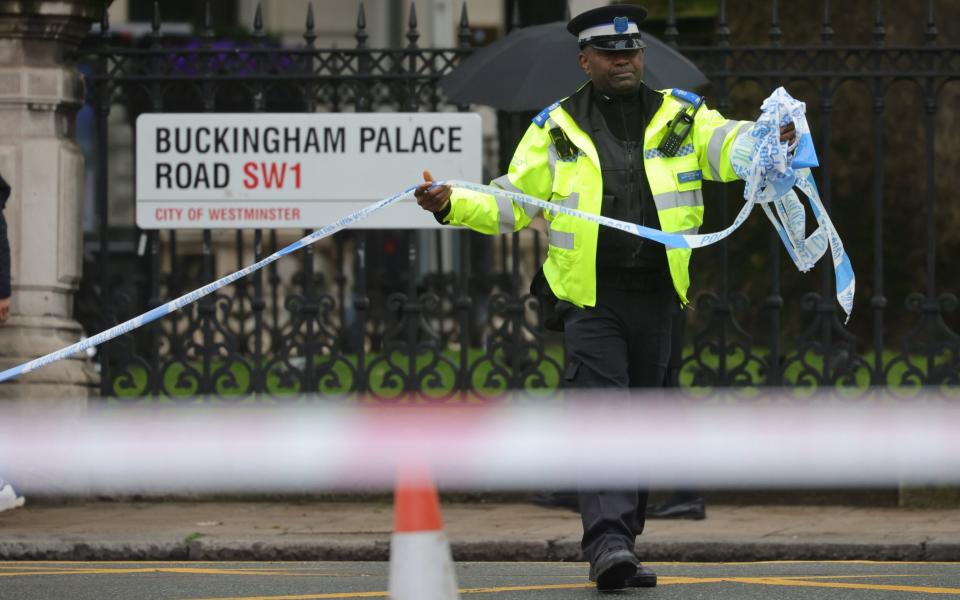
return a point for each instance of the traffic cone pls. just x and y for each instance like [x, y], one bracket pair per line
[421, 566]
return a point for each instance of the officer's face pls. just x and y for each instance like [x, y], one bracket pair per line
[615, 73]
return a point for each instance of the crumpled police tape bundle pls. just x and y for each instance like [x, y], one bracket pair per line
[771, 174]
[770, 170]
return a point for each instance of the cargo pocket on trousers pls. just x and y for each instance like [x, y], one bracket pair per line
[570, 373]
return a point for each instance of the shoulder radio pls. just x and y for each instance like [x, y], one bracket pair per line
[678, 129]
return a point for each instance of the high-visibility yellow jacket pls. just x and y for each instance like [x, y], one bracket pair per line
[538, 170]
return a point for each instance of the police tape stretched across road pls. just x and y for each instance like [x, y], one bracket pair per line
[770, 169]
[190, 297]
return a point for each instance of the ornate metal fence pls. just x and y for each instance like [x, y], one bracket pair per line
[364, 312]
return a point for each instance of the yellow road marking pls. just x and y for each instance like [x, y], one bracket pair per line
[527, 588]
[491, 590]
[27, 568]
[838, 584]
[849, 576]
[688, 580]
[544, 562]
[483, 590]
[777, 581]
[801, 562]
[20, 567]
[159, 562]
[189, 570]
[309, 596]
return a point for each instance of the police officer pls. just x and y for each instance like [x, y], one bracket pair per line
[619, 149]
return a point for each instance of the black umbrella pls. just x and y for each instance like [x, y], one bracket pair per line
[534, 66]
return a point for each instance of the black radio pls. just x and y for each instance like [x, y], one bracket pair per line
[677, 130]
[566, 149]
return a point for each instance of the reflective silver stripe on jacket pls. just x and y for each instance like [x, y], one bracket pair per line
[505, 212]
[715, 147]
[503, 182]
[675, 199]
[561, 239]
[564, 239]
[552, 158]
[571, 201]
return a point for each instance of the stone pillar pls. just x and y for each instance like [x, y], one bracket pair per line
[40, 93]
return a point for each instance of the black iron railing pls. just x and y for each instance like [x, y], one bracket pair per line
[362, 312]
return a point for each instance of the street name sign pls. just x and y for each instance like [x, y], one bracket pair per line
[295, 170]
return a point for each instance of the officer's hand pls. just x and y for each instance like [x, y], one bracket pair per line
[788, 133]
[4, 309]
[434, 198]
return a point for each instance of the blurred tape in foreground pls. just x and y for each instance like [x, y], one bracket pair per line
[595, 439]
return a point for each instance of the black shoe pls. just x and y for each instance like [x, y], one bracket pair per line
[613, 569]
[691, 509]
[565, 500]
[644, 577]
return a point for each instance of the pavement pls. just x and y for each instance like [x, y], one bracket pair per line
[360, 531]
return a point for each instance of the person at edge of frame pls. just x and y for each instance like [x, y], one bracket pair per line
[612, 294]
[9, 498]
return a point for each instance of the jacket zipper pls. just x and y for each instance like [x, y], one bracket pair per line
[630, 167]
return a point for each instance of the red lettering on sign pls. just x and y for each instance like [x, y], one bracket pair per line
[255, 213]
[270, 175]
[274, 176]
[296, 169]
[250, 170]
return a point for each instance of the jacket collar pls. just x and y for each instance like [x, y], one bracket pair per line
[578, 106]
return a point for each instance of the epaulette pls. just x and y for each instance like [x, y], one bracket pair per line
[688, 97]
[544, 114]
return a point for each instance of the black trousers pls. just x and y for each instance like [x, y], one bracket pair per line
[623, 342]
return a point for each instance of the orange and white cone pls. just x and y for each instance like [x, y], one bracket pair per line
[421, 566]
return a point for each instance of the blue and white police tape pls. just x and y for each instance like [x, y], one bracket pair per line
[672, 240]
[189, 298]
[669, 239]
[762, 161]
[772, 171]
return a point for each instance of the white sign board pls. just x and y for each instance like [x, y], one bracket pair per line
[295, 170]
